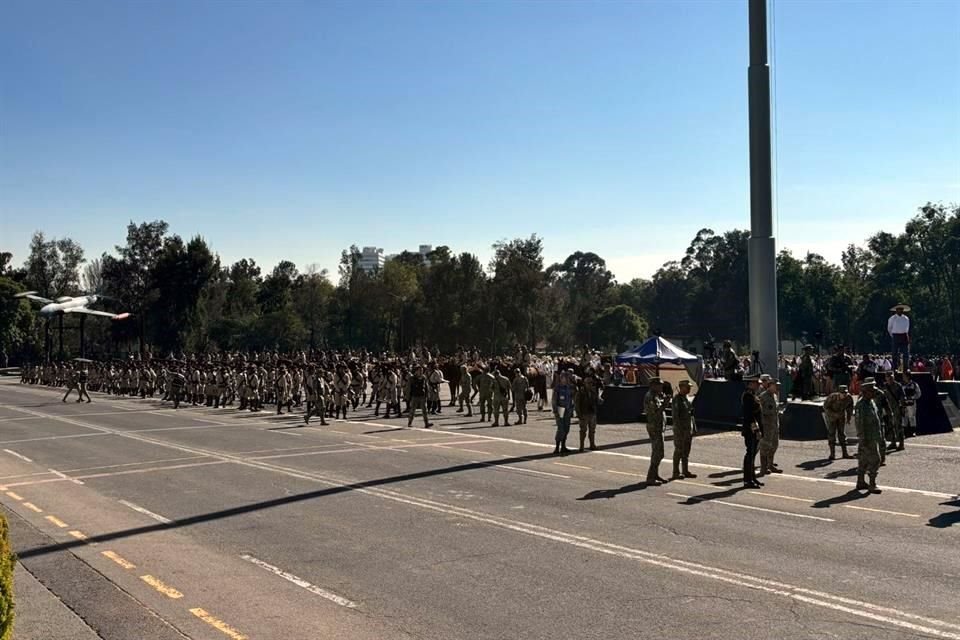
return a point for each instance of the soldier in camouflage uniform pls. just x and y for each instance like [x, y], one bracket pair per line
[770, 441]
[684, 427]
[654, 405]
[870, 438]
[894, 395]
[837, 413]
[484, 384]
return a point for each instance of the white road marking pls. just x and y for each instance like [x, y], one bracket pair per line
[64, 476]
[483, 453]
[623, 473]
[146, 512]
[750, 507]
[860, 609]
[934, 446]
[575, 466]
[521, 469]
[892, 513]
[777, 495]
[300, 582]
[18, 455]
[285, 433]
[714, 467]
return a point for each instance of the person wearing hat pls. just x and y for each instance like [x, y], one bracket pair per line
[654, 406]
[416, 389]
[563, 406]
[730, 362]
[837, 413]
[587, 402]
[770, 411]
[838, 367]
[752, 430]
[684, 426]
[895, 398]
[869, 437]
[911, 393]
[518, 389]
[898, 327]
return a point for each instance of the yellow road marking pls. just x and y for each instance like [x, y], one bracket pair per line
[892, 513]
[32, 507]
[218, 624]
[14, 495]
[575, 466]
[123, 562]
[168, 591]
[79, 535]
[57, 521]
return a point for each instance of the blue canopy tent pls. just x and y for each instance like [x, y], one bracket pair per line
[656, 351]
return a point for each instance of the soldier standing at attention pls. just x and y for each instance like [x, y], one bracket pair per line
[911, 393]
[253, 389]
[654, 406]
[341, 390]
[518, 388]
[770, 442]
[894, 394]
[466, 387]
[870, 438]
[837, 413]
[417, 392]
[587, 403]
[501, 398]
[684, 427]
[563, 397]
[806, 373]
[751, 431]
[485, 383]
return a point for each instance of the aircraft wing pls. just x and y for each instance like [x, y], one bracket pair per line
[32, 295]
[93, 312]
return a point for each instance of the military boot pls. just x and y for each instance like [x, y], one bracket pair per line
[676, 471]
[583, 438]
[843, 450]
[593, 442]
[764, 465]
[833, 452]
[872, 487]
[861, 483]
[901, 447]
[686, 469]
[563, 448]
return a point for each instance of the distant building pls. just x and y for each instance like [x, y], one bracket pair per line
[371, 259]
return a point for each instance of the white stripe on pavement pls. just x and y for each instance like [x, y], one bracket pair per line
[750, 507]
[146, 512]
[300, 582]
[18, 455]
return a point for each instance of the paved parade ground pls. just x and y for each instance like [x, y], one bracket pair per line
[147, 522]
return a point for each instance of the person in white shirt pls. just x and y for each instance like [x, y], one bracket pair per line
[898, 326]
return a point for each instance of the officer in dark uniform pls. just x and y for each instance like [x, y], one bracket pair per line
[751, 431]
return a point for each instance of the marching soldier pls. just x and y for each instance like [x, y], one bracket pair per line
[466, 387]
[870, 438]
[837, 413]
[341, 390]
[282, 385]
[484, 384]
[253, 389]
[654, 406]
[684, 427]
[416, 390]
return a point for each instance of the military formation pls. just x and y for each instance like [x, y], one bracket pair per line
[330, 385]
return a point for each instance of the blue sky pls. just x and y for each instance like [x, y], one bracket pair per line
[293, 129]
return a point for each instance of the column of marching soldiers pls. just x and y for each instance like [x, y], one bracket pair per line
[331, 388]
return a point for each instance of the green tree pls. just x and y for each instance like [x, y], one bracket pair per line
[617, 325]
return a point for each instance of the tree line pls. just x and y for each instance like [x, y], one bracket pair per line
[183, 298]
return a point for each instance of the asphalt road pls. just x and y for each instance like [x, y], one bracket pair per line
[202, 523]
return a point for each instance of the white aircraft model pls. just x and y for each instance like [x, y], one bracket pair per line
[67, 304]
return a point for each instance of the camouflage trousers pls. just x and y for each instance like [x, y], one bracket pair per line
[868, 457]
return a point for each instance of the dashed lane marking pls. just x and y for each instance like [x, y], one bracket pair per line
[18, 455]
[934, 446]
[483, 453]
[32, 507]
[125, 472]
[623, 473]
[146, 512]
[218, 624]
[751, 507]
[300, 582]
[57, 521]
[64, 476]
[575, 466]
[884, 511]
[79, 535]
[166, 590]
[120, 560]
[781, 496]
[15, 496]
[520, 469]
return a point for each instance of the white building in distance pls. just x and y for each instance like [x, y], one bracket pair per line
[371, 259]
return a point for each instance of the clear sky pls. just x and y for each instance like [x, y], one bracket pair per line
[291, 130]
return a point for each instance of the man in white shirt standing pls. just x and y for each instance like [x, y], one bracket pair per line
[898, 326]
